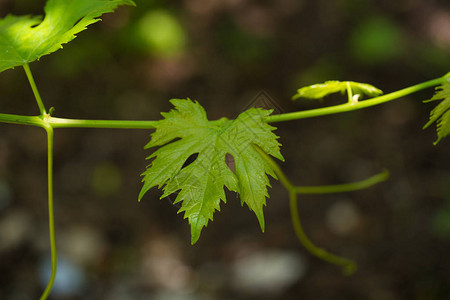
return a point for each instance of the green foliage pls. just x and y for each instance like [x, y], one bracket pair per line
[441, 113]
[24, 39]
[186, 131]
[441, 223]
[318, 91]
[160, 33]
[243, 47]
[377, 40]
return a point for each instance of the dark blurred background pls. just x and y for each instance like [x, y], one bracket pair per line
[223, 54]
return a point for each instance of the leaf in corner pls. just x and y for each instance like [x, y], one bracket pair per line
[185, 131]
[24, 39]
[441, 113]
[318, 91]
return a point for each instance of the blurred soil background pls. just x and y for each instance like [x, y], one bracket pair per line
[223, 54]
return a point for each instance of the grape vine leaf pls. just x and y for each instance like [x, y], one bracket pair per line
[186, 131]
[24, 39]
[318, 91]
[441, 113]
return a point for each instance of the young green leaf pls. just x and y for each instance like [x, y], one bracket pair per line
[185, 131]
[318, 91]
[24, 39]
[441, 113]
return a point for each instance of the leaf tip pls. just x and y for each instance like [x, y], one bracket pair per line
[260, 216]
[142, 192]
[194, 240]
[427, 125]
[130, 2]
[295, 97]
[195, 235]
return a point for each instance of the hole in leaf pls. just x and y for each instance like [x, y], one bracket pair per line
[190, 160]
[229, 160]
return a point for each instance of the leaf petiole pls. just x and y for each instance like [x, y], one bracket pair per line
[349, 93]
[35, 90]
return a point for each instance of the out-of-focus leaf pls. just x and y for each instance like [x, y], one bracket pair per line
[441, 113]
[24, 39]
[318, 91]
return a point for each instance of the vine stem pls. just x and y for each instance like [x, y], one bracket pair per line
[349, 266]
[355, 106]
[51, 217]
[35, 90]
[118, 124]
[53, 122]
[342, 188]
[131, 124]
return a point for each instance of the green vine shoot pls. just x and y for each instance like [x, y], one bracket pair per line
[186, 131]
